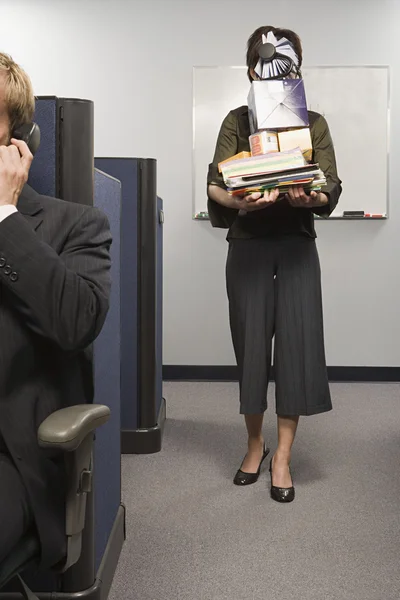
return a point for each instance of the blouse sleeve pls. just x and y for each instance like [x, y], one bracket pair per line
[227, 144]
[324, 155]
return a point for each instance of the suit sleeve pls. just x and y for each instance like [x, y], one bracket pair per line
[62, 297]
[324, 155]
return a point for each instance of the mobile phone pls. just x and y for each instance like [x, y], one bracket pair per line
[30, 134]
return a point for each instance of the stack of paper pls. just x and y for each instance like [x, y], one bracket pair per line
[278, 170]
[265, 163]
[311, 178]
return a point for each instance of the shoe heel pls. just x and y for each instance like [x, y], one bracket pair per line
[241, 478]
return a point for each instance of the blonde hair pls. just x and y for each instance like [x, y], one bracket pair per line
[19, 98]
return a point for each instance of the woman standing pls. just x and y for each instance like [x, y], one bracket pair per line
[274, 286]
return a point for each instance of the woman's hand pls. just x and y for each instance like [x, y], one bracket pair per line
[257, 200]
[299, 199]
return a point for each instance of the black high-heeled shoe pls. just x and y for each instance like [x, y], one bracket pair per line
[281, 494]
[242, 478]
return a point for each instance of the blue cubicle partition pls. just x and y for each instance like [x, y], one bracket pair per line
[104, 531]
[126, 171]
[44, 173]
[105, 523]
[107, 380]
[142, 405]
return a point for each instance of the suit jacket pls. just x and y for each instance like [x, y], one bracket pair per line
[54, 294]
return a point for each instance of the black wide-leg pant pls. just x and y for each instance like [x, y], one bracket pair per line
[274, 289]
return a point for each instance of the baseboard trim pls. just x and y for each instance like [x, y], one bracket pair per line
[229, 373]
[101, 588]
[144, 441]
[199, 373]
[109, 564]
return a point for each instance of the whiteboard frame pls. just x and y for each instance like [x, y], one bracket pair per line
[332, 218]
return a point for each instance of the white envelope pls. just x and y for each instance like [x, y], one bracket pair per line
[277, 104]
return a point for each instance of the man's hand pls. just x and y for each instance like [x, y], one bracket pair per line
[15, 162]
[299, 199]
[257, 201]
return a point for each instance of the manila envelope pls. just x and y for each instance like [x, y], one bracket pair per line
[296, 138]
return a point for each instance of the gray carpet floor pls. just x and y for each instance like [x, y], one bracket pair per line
[193, 535]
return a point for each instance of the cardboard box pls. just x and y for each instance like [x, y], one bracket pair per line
[296, 138]
[263, 142]
[277, 104]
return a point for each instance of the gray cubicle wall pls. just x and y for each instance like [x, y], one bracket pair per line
[142, 405]
[159, 328]
[63, 165]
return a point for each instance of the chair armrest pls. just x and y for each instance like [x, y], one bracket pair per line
[66, 428]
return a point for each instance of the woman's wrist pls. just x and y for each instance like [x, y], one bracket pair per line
[321, 200]
[221, 196]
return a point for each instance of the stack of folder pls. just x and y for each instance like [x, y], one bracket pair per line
[275, 170]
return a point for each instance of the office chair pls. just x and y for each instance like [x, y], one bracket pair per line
[71, 430]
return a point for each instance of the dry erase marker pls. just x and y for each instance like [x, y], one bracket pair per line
[375, 216]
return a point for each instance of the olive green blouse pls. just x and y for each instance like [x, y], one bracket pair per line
[280, 219]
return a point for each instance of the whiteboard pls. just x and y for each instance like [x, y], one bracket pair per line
[355, 102]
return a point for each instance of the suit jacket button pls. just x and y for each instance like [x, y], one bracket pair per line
[7, 270]
[2, 262]
[14, 276]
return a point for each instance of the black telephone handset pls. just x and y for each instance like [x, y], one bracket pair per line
[30, 134]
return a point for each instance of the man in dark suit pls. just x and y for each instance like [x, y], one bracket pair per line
[54, 293]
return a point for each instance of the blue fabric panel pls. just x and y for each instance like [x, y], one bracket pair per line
[126, 170]
[42, 176]
[107, 197]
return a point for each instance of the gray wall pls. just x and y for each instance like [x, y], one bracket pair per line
[135, 59]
